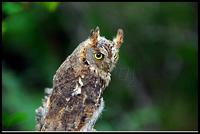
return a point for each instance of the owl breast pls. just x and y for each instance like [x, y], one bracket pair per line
[74, 99]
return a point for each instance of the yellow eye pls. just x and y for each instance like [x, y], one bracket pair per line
[98, 56]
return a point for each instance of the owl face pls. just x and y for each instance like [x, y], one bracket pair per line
[101, 52]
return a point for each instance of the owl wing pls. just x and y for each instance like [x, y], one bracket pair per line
[74, 99]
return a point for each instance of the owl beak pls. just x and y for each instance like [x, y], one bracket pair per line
[119, 38]
[94, 34]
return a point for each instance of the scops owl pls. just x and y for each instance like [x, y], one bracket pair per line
[75, 101]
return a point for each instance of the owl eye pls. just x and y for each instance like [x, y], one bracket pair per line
[98, 56]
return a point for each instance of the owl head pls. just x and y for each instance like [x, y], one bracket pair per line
[100, 52]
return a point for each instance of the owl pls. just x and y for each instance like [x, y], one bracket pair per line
[75, 101]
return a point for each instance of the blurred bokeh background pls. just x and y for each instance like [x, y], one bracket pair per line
[154, 85]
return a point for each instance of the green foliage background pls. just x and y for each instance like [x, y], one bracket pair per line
[153, 87]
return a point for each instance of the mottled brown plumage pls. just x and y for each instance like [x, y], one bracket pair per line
[75, 101]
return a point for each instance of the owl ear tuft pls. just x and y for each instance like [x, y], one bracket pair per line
[97, 30]
[119, 38]
[94, 34]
